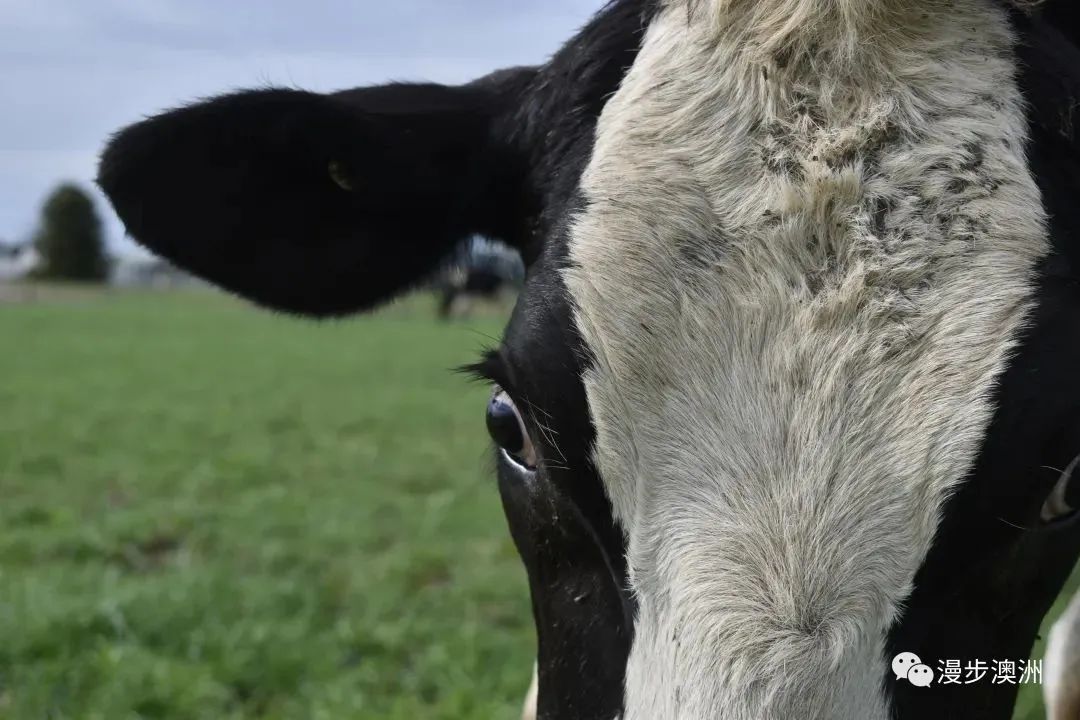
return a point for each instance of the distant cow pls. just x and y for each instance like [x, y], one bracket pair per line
[483, 270]
[792, 380]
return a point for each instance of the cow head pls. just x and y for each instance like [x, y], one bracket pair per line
[791, 387]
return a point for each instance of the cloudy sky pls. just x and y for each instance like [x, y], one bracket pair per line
[73, 71]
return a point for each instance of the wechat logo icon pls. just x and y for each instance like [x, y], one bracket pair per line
[908, 666]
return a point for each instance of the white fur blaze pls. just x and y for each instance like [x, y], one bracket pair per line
[528, 710]
[1061, 689]
[799, 272]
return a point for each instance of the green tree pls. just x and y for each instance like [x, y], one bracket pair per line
[69, 242]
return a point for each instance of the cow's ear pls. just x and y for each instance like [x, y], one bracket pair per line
[321, 204]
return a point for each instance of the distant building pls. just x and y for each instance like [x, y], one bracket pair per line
[16, 261]
[150, 273]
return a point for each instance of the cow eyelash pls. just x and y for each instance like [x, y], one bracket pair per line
[491, 368]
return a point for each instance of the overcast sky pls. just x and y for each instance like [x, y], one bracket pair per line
[74, 71]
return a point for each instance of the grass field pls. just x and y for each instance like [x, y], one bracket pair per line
[213, 512]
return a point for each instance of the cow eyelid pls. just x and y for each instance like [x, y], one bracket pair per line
[492, 368]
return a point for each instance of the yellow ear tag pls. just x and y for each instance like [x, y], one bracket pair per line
[337, 174]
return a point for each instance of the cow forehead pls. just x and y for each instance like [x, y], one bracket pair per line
[797, 283]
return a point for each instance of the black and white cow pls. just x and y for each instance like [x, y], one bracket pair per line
[793, 380]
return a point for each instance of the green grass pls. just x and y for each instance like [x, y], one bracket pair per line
[214, 512]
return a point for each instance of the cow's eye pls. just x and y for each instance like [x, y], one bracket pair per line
[507, 429]
[1064, 500]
